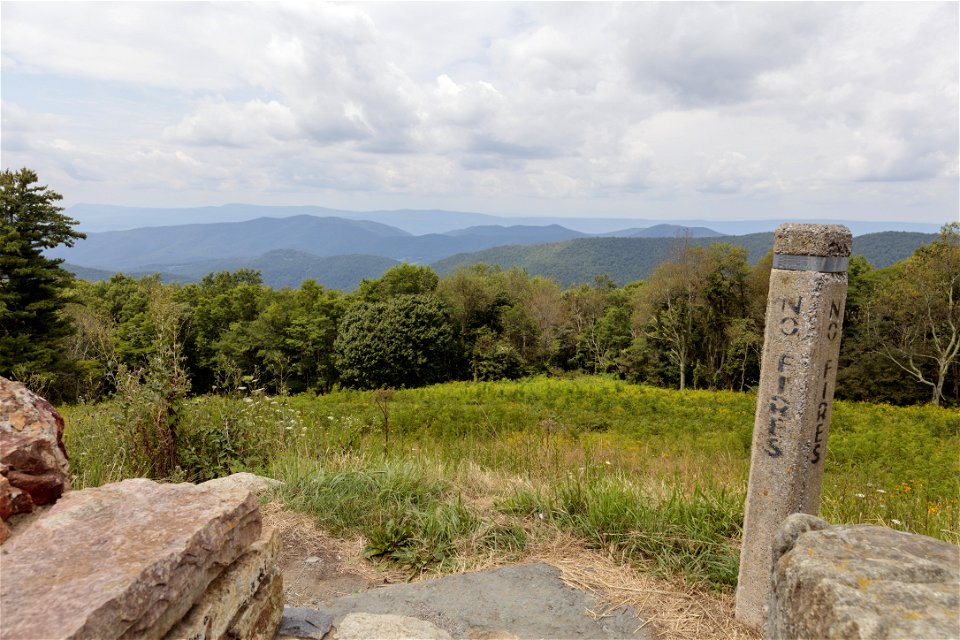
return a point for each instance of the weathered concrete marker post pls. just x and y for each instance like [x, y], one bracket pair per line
[808, 288]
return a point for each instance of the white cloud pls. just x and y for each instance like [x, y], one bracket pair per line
[250, 124]
[500, 105]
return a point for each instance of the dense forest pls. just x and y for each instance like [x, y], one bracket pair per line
[696, 321]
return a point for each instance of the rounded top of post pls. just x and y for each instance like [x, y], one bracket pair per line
[797, 239]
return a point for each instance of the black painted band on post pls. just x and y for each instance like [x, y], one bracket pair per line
[823, 264]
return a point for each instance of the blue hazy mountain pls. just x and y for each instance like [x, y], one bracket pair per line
[99, 218]
[156, 247]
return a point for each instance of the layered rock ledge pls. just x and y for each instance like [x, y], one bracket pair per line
[133, 559]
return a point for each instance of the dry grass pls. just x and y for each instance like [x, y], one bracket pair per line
[675, 610]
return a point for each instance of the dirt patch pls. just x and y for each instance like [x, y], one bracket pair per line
[318, 567]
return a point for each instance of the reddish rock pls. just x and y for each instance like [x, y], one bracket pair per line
[13, 500]
[32, 455]
[39, 489]
[6, 499]
[125, 560]
[4, 532]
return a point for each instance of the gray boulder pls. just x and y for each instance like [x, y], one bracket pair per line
[862, 581]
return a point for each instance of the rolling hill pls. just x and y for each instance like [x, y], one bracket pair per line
[153, 248]
[137, 248]
[628, 259]
[285, 268]
[339, 253]
[278, 269]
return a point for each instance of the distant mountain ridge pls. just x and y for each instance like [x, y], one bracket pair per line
[98, 218]
[136, 248]
[665, 231]
[156, 247]
[340, 252]
[278, 269]
[629, 259]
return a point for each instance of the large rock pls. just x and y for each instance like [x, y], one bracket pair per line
[32, 454]
[862, 581]
[126, 560]
[259, 485]
[228, 595]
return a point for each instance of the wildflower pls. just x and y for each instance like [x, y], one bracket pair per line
[933, 508]
[329, 417]
[895, 521]
[880, 491]
[860, 495]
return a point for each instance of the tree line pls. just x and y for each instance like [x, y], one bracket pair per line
[696, 322]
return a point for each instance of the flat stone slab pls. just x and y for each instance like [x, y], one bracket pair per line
[123, 560]
[522, 601]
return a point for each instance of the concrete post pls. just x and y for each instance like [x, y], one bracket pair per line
[808, 288]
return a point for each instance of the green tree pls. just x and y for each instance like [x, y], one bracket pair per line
[220, 303]
[407, 341]
[699, 311]
[290, 343]
[914, 320]
[32, 286]
[409, 279]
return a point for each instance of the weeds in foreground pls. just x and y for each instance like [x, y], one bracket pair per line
[408, 515]
[652, 477]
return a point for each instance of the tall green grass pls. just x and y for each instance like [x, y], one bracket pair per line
[652, 476]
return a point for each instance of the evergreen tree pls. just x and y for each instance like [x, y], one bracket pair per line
[31, 285]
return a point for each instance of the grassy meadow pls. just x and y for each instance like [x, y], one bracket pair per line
[438, 477]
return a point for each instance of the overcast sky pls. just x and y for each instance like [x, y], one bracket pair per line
[651, 110]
